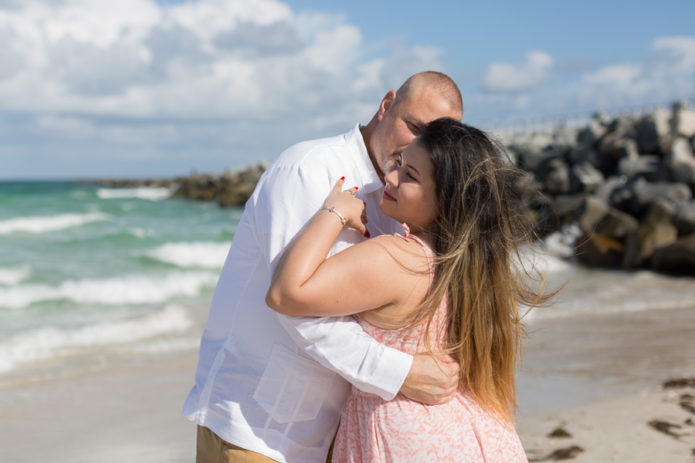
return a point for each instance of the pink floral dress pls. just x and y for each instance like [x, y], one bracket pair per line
[401, 430]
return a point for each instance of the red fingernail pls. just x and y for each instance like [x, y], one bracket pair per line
[366, 234]
[357, 188]
[342, 178]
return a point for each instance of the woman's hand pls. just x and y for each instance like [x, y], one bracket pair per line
[348, 206]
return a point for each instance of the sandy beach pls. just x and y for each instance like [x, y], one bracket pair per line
[597, 377]
[600, 379]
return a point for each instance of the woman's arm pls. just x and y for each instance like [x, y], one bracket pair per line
[360, 278]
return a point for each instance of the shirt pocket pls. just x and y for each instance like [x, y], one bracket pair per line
[292, 388]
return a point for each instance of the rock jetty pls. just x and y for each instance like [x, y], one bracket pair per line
[230, 188]
[627, 182]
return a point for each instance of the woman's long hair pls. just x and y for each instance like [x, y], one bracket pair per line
[476, 237]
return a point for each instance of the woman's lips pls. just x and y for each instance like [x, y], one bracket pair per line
[388, 197]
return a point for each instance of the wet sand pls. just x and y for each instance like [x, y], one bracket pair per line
[598, 377]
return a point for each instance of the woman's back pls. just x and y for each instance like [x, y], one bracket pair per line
[401, 430]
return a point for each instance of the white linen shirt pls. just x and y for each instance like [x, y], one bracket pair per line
[267, 382]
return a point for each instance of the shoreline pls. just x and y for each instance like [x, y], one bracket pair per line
[597, 376]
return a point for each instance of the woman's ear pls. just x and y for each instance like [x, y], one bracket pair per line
[386, 104]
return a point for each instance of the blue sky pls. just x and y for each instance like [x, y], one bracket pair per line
[138, 88]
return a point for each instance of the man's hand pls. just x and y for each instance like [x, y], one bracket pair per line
[433, 379]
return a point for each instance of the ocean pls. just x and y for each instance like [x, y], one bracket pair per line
[93, 277]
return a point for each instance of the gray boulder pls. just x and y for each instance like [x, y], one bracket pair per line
[595, 250]
[617, 146]
[646, 166]
[678, 257]
[681, 161]
[555, 176]
[599, 217]
[531, 149]
[682, 120]
[585, 178]
[646, 193]
[656, 229]
[652, 238]
[684, 218]
[610, 236]
[596, 129]
[652, 131]
[606, 190]
[585, 154]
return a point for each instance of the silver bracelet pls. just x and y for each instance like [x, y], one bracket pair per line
[336, 212]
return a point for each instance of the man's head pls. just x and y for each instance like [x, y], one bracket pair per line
[424, 97]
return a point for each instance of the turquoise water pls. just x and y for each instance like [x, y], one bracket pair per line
[91, 276]
[87, 269]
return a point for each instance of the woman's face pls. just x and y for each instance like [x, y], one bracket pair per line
[409, 193]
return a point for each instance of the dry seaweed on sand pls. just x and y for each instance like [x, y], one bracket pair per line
[665, 427]
[678, 383]
[565, 453]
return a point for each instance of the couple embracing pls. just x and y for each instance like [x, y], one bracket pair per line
[316, 329]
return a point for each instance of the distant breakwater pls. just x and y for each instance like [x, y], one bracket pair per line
[626, 183]
[229, 189]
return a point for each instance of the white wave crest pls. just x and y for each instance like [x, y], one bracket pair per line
[149, 193]
[140, 232]
[11, 276]
[538, 260]
[123, 290]
[43, 343]
[43, 224]
[192, 254]
[561, 243]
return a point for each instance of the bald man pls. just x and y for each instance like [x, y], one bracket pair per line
[270, 387]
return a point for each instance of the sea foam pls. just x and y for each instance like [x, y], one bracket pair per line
[10, 276]
[48, 342]
[149, 193]
[44, 224]
[191, 254]
[132, 289]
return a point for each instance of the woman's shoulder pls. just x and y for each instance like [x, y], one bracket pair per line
[404, 250]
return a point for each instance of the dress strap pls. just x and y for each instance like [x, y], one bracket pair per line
[428, 251]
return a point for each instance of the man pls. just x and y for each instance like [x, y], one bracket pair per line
[270, 387]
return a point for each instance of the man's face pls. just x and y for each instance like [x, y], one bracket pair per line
[401, 122]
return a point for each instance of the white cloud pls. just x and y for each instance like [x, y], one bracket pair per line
[97, 71]
[680, 51]
[506, 77]
[209, 58]
[666, 73]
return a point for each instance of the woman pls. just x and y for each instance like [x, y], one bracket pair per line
[451, 190]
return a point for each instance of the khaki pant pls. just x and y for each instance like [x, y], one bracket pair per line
[211, 449]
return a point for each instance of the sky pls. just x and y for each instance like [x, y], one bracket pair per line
[145, 88]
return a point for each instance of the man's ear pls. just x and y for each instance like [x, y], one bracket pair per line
[386, 103]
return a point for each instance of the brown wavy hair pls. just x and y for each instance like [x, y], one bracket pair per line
[476, 238]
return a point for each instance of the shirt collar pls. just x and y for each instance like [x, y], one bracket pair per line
[370, 178]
